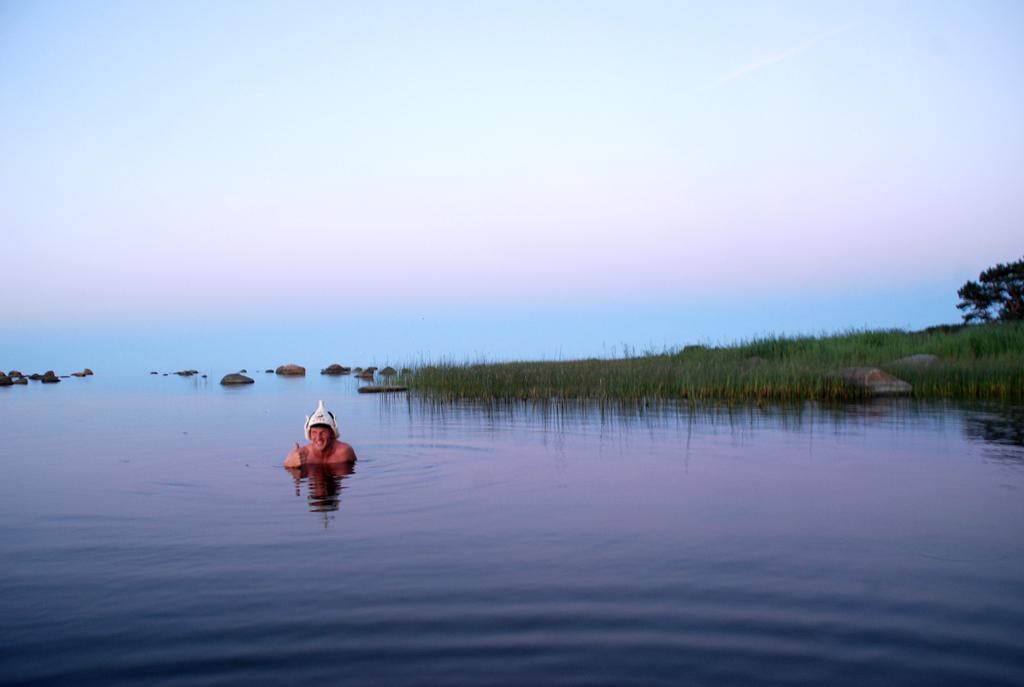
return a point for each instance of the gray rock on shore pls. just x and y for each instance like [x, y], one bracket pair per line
[874, 381]
[291, 370]
[918, 360]
[236, 378]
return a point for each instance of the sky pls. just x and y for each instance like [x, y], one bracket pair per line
[187, 183]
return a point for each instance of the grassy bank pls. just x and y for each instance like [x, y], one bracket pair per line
[975, 362]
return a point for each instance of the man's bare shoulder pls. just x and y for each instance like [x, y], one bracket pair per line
[343, 453]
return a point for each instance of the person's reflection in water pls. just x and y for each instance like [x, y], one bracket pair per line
[323, 486]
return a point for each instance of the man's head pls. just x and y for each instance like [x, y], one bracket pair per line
[321, 419]
[321, 437]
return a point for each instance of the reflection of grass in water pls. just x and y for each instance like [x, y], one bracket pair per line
[628, 415]
[996, 424]
[981, 362]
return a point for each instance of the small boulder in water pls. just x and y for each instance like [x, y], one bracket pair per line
[5, 380]
[335, 369]
[291, 370]
[236, 378]
[385, 389]
[389, 371]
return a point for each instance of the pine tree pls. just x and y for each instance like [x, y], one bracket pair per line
[999, 289]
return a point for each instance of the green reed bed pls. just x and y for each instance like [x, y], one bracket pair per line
[978, 362]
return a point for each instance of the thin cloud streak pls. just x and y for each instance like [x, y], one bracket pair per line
[778, 57]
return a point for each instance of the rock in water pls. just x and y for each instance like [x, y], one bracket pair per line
[335, 369]
[389, 371]
[874, 381]
[292, 370]
[5, 380]
[381, 389]
[49, 378]
[236, 378]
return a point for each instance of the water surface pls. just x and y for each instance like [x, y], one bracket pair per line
[149, 534]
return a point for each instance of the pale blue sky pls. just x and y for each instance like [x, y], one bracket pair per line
[484, 179]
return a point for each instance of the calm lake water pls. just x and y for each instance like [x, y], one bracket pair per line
[149, 535]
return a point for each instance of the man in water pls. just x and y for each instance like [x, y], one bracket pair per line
[323, 447]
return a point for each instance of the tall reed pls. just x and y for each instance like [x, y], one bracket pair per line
[981, 361]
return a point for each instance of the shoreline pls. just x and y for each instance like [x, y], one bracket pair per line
[956, 362]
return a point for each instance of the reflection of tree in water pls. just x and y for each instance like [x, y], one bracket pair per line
[323, 486]
[1003, 428]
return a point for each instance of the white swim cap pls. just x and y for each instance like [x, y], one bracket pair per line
[321, 416]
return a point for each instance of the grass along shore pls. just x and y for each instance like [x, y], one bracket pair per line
[975, 362]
